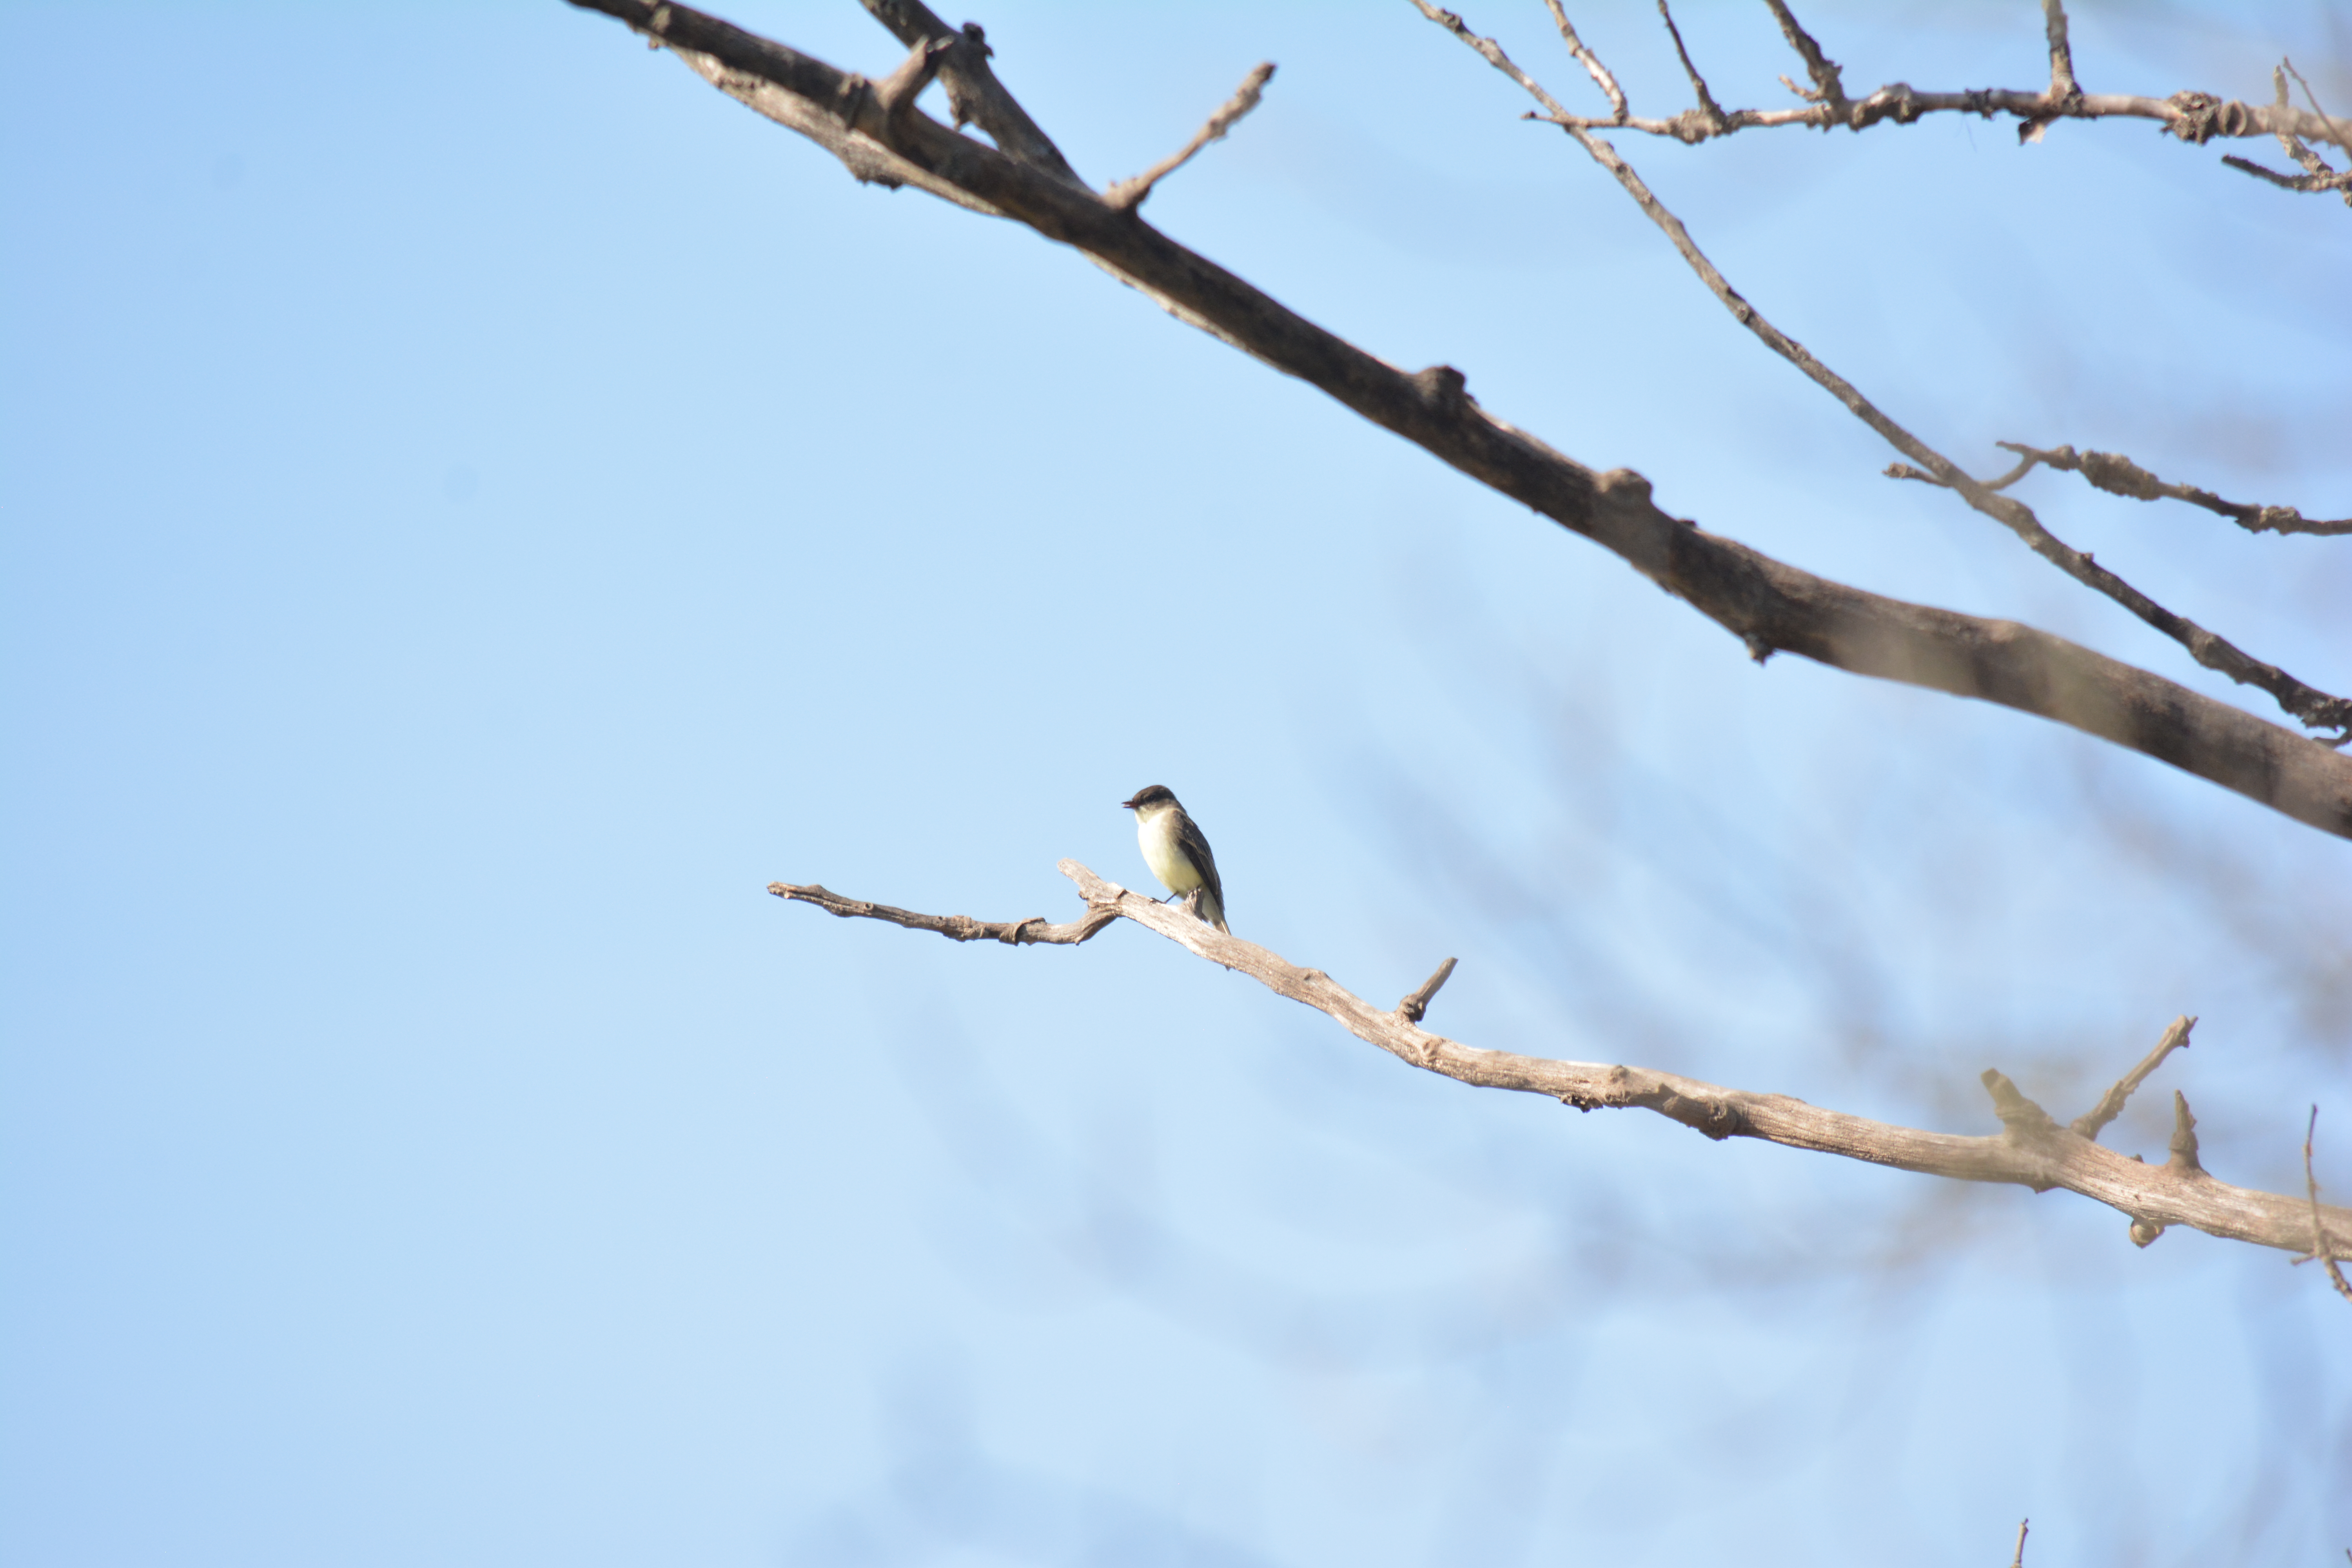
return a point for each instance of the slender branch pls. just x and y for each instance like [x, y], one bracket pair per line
[1589, 61]
[1128, 194]
[1707, 107]
[2094, 1121]
[2320, 1248]
[2031, 1150]
[2329, 180]
[2017, 1558]
[2315, 709]
[1771, 606]
[955, 928]
[2193, 117]
[1829, 83]
[2119, 475]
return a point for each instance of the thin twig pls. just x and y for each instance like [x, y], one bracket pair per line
[2029, 1150]
[1128, 194]
[2094, 1121]
[955, 928]
[2315, 709]
[2017, 1559]
[2319, 1246]
[2119, 475]
[1589, 61]
[1707, 104]
[1829, 83]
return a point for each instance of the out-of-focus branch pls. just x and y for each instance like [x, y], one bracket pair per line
[2031, 1150]
[1771, 606]
[1128, 194]
[2315, 709]
[2321, 1247]
[2119, 475]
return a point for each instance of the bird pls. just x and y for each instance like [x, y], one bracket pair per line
[1177, 853]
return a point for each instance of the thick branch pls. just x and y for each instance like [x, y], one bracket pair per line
[1769, 605]
[2315, 707]
[2031, 1150]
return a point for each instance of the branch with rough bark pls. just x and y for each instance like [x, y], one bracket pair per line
[1769, 605]
[2033, 1148]
[2315, 709]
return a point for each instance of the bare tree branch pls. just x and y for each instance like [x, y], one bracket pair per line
[1769, 605]
[974, 95]
[2119, 475]
[1128, 194]
[2031, 1150]
[2017, 1558]
[1588, 60]
[2315, 709]
[1711, 111]
[2094, 1121]
[2194, 117]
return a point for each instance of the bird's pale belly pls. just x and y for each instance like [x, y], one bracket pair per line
[1157, 835]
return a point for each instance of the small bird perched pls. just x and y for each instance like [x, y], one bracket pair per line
[1176, 852]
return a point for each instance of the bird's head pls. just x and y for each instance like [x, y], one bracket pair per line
[1151, 797]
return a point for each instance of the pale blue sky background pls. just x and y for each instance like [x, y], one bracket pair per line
[479, 505]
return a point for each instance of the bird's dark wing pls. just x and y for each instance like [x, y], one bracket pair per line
[1188, 839]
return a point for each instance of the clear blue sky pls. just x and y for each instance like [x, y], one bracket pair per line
[475, 506]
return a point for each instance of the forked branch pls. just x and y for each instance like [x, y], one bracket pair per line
[2031, 1150]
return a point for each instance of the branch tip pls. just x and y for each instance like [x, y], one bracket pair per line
[2184, 1137]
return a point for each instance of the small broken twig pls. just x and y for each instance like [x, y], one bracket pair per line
[1128, 194]
[1415, 1007]
[2094, 1121]
[2017, 1559]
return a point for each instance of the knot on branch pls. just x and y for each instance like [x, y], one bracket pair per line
[1715, 1118]
[2119, 475]
[2144, 1231]
[1443, 387]
[2199, 117]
